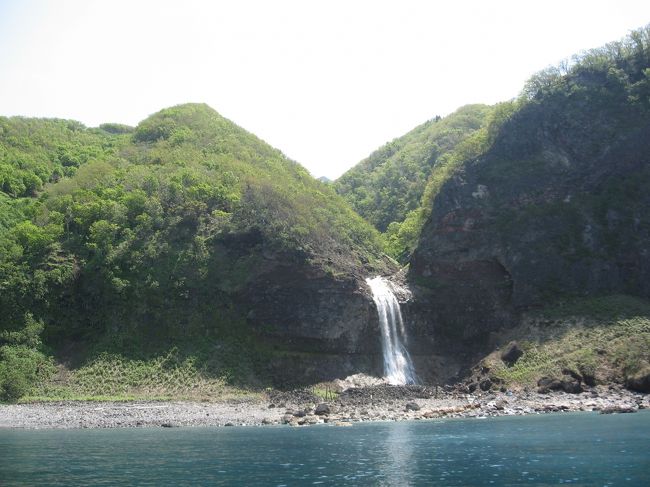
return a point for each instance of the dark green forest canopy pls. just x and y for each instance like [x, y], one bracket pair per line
[136, 208]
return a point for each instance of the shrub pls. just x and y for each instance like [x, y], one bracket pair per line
[21, 368]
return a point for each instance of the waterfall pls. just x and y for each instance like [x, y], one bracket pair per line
[398, 368]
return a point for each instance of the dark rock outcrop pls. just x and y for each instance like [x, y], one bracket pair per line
[315, 314]
[588, 377]
[567, 384]
[546, 384]
[485, 384]
[640, 381]
[572, 386]
[304, 309]
[412, 406]
[322, 409]
[511, 353]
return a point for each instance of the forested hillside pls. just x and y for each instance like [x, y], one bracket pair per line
[388, 184]
[133, 241]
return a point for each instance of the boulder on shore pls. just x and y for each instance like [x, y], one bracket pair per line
[321, 409]
[511, 353]
[567, 384]
[618, 409]
[640, 381]
[485, 384]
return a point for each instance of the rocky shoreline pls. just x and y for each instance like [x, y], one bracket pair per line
[301, 407]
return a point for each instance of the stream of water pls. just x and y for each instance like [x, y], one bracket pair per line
[398, 367]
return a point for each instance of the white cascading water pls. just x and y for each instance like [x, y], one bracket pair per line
[398, 368]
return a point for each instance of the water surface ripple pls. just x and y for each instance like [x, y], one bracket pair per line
[577, 449]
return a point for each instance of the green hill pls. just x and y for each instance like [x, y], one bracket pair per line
[388, 184]
[157, 238]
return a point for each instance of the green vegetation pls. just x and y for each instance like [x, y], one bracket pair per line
[388, 184]
[34, 152]
[114, 377]
[22, 361]
[396, 186]
[589, 102]
[605, 338]
[137, 240]
[325, 391]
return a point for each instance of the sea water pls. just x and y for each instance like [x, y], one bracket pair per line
[572, 448]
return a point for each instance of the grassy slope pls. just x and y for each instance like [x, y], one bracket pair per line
[114, 377]
[607, 338]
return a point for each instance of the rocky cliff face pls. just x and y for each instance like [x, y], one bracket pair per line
[558, 206]
[306, 310]
[314, 313]
[321, 327]
[324, 327]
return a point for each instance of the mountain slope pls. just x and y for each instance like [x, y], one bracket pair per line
[190, 233]
[388, 184]
[550, 206]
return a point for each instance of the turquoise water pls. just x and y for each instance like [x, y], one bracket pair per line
[575, 449]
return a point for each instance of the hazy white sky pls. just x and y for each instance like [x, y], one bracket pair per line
[327, 82]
